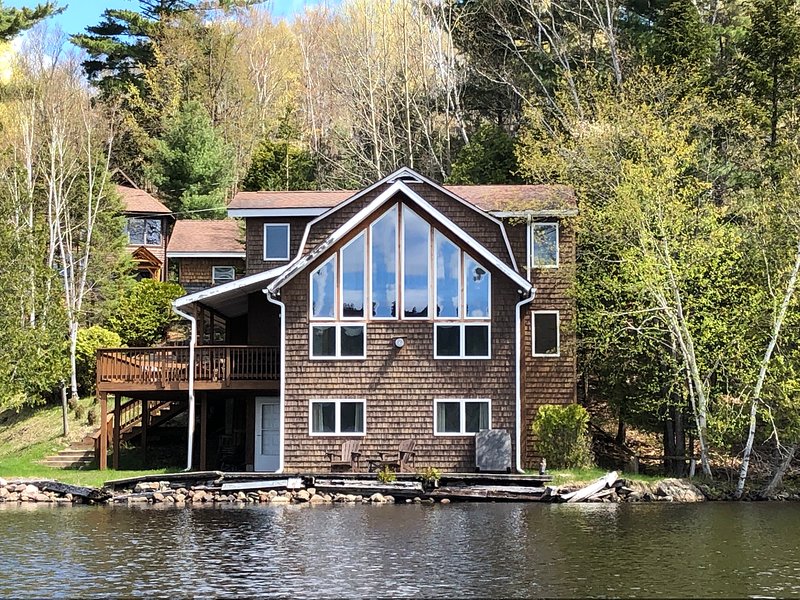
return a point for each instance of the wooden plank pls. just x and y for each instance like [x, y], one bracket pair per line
[117, 419]
[102, 460]
[291, 483]
[203, 429]
[606, 481]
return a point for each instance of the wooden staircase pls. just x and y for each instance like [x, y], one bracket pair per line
[81, 454]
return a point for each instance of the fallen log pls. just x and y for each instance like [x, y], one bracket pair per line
[582, 494]
[87, 493]
[513, 493]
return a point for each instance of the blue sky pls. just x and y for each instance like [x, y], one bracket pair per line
[81, 13]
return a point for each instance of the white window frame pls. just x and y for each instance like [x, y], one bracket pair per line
[398, 275]
[402, 270]
[335, 258]
[337, 325]
[340, 280]
[462, 416]
[464, 256]
[214, 273]
[462, 339]
[532, 246]
[338, 426]
[288, 241]
[462, 301]
[558, 333]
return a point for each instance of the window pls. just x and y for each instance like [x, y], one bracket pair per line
[276, 241]
[323, 290]
[353, 281]
[383, 233]
[545, 333]
[416, 265]
[461, 417]
[144, 232]
[448, 269]
[222, 274]
[461, 340]
[477, 289]
[336, 417]
[336, 340]
[544, 245]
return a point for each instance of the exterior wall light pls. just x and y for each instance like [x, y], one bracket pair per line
[399, 342]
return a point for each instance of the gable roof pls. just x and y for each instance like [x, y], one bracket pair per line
[544, 200]
[300, 263]
[192, 238]
[140, 202]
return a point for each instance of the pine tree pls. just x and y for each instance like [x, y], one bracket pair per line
[14, 21]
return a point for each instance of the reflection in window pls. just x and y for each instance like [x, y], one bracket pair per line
[544, 244]
[416, 258]
[352, 340]
[323, 282]
[276, 241]
[476, 282]
[145, 232]
[337, 417]
[351, 417]
[338, 341]
[448, 340]
[384, 265]
[222, 275]
[461, 417]
[323, 417]
[545, 334]
[324, 340]
[448, 271]
[353, 288]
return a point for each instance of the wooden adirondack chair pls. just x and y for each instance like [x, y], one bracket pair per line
[348, 457]
[400, 462]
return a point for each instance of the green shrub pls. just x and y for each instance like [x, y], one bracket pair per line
[386, 475]
[561, 436]
[89, 340]
[143, 317]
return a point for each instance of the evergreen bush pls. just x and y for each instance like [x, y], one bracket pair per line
[561, 436]
[89, 340]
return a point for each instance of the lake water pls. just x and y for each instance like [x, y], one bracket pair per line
[520, 550]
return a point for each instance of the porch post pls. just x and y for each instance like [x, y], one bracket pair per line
[117, 417]
[203, 428]
[102, 459]
[145, 426]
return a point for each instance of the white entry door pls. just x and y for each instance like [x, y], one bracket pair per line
[268, 434]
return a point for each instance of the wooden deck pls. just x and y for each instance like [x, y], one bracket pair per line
[167, 368]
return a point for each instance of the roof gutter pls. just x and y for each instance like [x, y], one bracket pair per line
[518, 411]
[192, 344]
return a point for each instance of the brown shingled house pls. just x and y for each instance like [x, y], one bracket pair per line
[206, 253]
[407, 310]
[147, 228]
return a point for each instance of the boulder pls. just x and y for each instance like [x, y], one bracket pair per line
[389, 499]
[30, 490]
[241, 497]
[444, 501]
[316, 499]
[679, 491]
[42, 498]
[180, 497]
[377, 498]
[19, 488]
[13, 497]
[312, 491]
[3, 482]
[281, 500]
[4, 492]
[302, 496]
[158, 497]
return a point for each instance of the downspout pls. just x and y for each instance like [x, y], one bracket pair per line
[518, 428]
[192, 343]
[273, 299]
[529, 239]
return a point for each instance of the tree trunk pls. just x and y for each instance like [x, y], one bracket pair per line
[777, 477]
[64, 408]
[620, 438]
[73, 363]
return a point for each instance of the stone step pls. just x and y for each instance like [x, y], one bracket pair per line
[66, 463]
[69, 453]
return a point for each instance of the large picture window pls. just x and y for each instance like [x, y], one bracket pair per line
[144, 232]
[323, 290]
[416, 265]
[544, 245]
[276, 241]
[353, 284]
[546, 333]
[337, 417]
[461, 417]
[384, 265]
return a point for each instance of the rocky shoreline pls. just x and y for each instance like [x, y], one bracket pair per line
[183, 492]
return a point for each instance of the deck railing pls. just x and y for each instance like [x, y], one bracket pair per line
[167, 365]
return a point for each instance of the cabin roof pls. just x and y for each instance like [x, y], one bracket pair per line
[193, 238]
[140, 202]
[491, 198]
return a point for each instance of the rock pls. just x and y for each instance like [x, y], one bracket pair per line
[281, 500]
[180, 497]
[63, 501]
[409, 500]
[42, 498]
[69, 497]
[444, 501]
[30, 490]
[241, 497]
[312, 491]
[327, 497]
[417, 500]
[272, 494]
[316, 499]
[158, 497]
[377, 498]
[169, 499]
[680, 491]
[13, 497]
[350, 498]
[145, 486]
[302, 496]
[136, 499]
[182, 490]
[3, 482]
[4, 492]
[19, 488]
[389, 499]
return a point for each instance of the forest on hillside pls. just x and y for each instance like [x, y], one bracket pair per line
[675, 121]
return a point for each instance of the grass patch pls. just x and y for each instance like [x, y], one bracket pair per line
[28, 436]
[570, 476]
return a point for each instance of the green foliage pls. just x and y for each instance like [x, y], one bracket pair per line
[280, 165]
[142, 317]
[561, 436]
[487, 158]
[192, 165]
[430, 476]
[14, 21]
[386, 475]
[90, 340]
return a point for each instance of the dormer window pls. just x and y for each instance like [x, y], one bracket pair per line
[544, 245]
[276, 241]
[143, 232]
